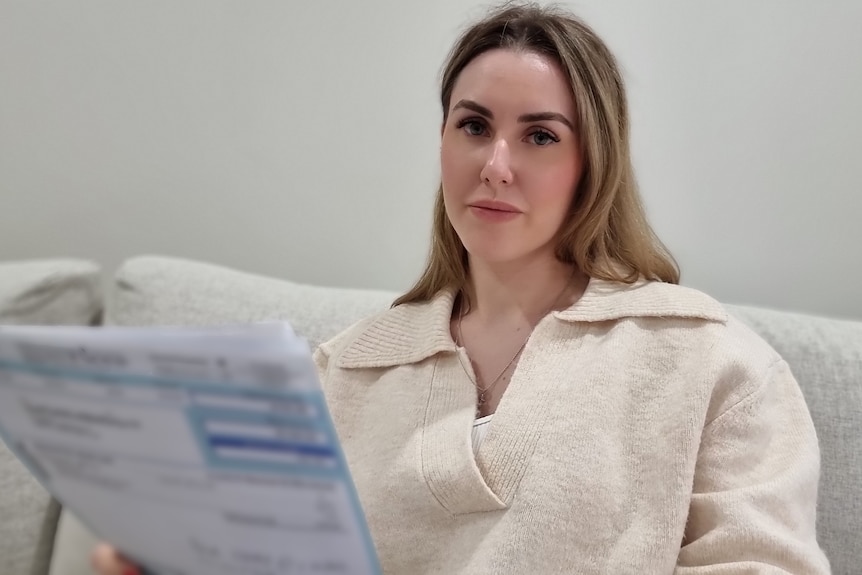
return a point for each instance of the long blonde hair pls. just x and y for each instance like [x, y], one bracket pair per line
[606, 233]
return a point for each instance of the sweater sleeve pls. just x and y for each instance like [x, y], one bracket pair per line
[753, 506]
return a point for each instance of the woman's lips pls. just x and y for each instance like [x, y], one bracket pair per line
[493, 211]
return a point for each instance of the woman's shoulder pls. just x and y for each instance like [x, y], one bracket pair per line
[605, 300]
[725, 345]
[685, 327]
[677, 312]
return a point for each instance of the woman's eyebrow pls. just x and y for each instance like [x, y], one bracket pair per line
[475, 106]
[546, 116]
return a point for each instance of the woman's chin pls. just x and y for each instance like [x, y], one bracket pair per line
[492, 251]
[497, 253]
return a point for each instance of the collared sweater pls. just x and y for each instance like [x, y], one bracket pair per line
[643, 431]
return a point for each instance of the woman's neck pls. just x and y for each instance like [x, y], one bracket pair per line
[523, 291]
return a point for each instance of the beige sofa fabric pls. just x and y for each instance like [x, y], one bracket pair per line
[152, 290]
[48, 292]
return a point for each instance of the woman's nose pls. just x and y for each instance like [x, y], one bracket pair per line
[498, 168]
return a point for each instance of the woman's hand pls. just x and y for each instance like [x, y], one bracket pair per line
[107, 561]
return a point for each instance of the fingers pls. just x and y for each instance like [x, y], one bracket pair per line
[107, 561]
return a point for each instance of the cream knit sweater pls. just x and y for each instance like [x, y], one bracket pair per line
[643, 432]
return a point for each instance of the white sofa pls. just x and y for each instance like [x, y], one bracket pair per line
[37, 538]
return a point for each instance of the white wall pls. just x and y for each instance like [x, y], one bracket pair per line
[300, 139]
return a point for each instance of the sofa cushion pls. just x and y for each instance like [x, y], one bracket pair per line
[152, 290]
[825, 355]
[50, 292]
[46, 292]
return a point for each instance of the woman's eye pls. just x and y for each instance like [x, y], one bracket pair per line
[472, 127]
[541, 138]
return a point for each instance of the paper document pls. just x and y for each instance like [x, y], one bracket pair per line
[206, 451]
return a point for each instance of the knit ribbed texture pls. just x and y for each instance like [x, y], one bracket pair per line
[396, 339]
[635, 436]
[447, 453]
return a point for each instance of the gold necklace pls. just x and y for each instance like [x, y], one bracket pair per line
[481, 392]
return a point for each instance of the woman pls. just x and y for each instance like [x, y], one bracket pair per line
[546, 399]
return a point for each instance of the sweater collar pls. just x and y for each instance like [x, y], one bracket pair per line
[410, 333]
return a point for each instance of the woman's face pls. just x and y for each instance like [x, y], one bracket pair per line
[510, 155]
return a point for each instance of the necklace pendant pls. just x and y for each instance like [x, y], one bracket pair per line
[481, 399]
